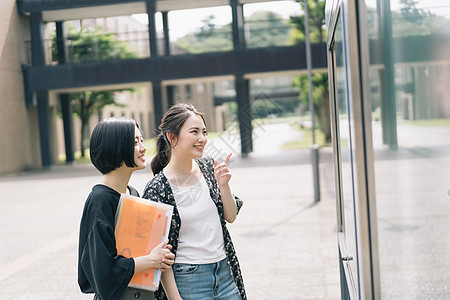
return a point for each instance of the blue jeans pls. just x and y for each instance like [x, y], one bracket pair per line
[205, 281]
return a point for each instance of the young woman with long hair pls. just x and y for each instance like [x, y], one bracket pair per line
[206, 266]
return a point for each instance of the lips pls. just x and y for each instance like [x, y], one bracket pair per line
[199, 148]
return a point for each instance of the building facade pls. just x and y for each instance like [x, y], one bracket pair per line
[20, 149]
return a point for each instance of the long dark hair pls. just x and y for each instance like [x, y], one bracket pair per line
[171, 122]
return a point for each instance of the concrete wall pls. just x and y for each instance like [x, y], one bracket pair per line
[19, 132]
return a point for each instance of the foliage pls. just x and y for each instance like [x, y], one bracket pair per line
[412, 21]
[264, 29]
[320, 84]
[91, 45]
[264, 108]
[409, 21]
[208, 38]
[316, 22]
[267, 29]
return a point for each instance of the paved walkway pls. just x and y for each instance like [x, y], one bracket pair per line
[286, 243]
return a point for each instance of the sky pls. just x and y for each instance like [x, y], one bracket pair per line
[184, 21]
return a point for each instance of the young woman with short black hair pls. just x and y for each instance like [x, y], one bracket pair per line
[116, 150]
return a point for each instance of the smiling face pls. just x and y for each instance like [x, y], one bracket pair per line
[192, 138]
[139, 149]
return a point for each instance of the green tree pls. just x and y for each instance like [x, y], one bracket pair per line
[413, 21]
[92, 45]
[265, 29]
[268, 29]
[209, 38]
[320, 81]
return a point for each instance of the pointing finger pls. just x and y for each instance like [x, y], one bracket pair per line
[228, 158]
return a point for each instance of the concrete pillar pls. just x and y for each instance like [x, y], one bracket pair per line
[387, 76]
[37, 28]
[66, 110]
[61, 36]
[44, 120]
[165, 20]
[244, 114]
[157, 102]
[170, 95]
[151, 10]
[237, 15]
[242, 85]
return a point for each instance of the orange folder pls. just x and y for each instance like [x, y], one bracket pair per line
[141, 225]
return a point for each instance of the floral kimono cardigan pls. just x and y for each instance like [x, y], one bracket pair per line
[159, 190]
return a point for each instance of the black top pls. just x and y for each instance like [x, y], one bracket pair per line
[100, 269]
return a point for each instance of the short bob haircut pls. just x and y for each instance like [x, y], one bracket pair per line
[112, 143]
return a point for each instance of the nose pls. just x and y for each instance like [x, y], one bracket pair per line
[203, 138]
[143, 148]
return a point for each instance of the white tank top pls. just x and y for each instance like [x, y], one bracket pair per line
[200, 240]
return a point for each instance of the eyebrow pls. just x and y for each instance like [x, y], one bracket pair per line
[204, 128]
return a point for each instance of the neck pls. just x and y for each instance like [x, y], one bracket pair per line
[118, 179]
[181, 165]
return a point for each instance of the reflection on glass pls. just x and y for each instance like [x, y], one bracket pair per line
[348, 201]
[412, 177]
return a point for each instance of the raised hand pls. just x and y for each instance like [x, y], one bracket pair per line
[221, 171]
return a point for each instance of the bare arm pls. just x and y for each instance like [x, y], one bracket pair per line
[170, 286]
[223, 176]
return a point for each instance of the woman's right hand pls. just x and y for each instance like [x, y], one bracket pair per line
[160, 257]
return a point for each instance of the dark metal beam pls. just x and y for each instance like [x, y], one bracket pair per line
[44, 120]
[165, 19]
[61, 46]
[174, 67]
[242, 87]
[157, 102]
[151, 10]
[66, 110]
[237, 25]
[37, 28]
[38, 60]
[29, 6]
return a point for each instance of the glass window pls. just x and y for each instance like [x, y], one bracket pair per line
[347, 195]
[410, 98]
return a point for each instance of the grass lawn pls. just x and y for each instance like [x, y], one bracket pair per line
[306, 140]
[429, 123]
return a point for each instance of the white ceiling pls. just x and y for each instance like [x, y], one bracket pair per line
[133, 8]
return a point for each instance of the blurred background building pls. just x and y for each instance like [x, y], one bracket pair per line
[74, 63]
[381, 73]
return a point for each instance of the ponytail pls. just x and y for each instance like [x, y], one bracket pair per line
[163, 153]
